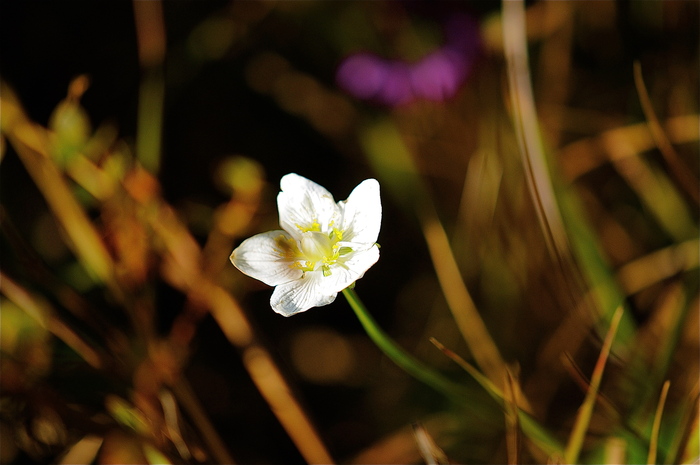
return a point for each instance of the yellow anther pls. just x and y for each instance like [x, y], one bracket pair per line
[336, 235]
[315, 226]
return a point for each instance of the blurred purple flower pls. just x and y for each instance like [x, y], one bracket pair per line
[436, 76]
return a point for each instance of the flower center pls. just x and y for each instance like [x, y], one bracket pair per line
[316, 246]
[319, 251]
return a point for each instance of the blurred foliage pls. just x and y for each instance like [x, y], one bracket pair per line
[142, 141]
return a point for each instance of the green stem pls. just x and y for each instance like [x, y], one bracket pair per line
[537, 434]
[405, 361]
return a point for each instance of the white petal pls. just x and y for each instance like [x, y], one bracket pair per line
[267, 257]
[362, 213]
[304, 205]
[362, 260]
[349, 270]
[301, 295]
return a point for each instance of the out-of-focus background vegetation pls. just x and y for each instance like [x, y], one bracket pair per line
[142, 141]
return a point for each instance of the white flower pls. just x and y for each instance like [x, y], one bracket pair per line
[323, 248]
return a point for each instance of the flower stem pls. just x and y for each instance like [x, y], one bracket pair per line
[536, 433]
[405, 361]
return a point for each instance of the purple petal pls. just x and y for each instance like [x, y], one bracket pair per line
[362, 75]
[438, 75]
[396, 88]
[435, 77]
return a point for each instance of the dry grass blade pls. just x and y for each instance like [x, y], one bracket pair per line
[150, 32]
[399, 446]
[535, 433]
[656, 426]
[485, 382]
[687, 425]
[575, 371]
[170, 413]
[527, 129]
[30, 143]
[430, 452]
[585, 155]
[385, 138]
[573, 447]
[660, 197]
[82, 452]
[44, 315]
[650, 269]
[615, 450]
[460, 302]
[678, 168]
[274, 388]
[512, 423]
[188, 400]
[182, 269]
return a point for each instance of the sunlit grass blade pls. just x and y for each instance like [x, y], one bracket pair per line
[578, 433]
[656, 426]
